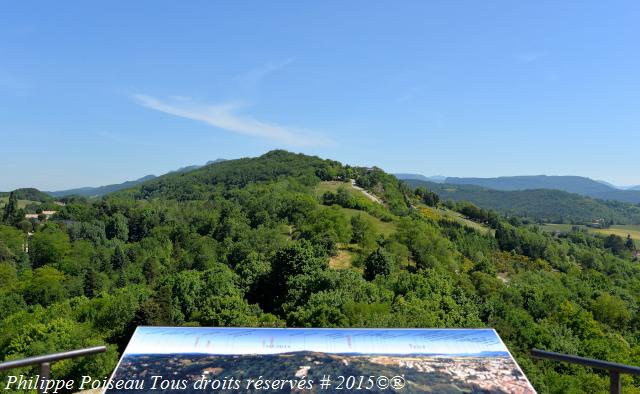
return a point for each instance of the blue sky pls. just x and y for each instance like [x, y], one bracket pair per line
[93, 93]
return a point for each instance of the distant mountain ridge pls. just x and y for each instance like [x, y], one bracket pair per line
[102, 190]
[544, 205]
[419, 177]
[571, 184]
[634, 187]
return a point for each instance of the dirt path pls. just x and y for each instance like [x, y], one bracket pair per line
[366, 193]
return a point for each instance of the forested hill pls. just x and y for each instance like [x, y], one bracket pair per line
[230, 174]
[271, 167]
[288, 240]
[540, 205]
[30, 194]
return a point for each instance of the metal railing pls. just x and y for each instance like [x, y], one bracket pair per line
[615, 369]
[46, 360]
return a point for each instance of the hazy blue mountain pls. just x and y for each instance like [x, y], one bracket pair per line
[632, 187]
[102, 190]
[544, 205]
[611, 185]
[436, 178]
[572, 184]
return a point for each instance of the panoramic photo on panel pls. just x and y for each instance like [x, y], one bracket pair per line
[317, 360]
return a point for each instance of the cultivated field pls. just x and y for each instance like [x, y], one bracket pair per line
[620, 230]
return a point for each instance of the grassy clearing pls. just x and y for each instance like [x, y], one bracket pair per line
[330, 186]
[442, 213]
[347, 253]
[552, 228]
[384, 228]
[387, 228]
[469, 223]
[343, 260]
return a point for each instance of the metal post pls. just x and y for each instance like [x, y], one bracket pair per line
[615, 385]
[45, 369]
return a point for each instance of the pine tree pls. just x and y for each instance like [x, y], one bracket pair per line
[157, 310]
[151, 268]
[91, 283]
[119, 259]
[380, 262]
[11, 212]
[122, 280]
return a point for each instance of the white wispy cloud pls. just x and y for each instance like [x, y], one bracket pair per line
[226, 117]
